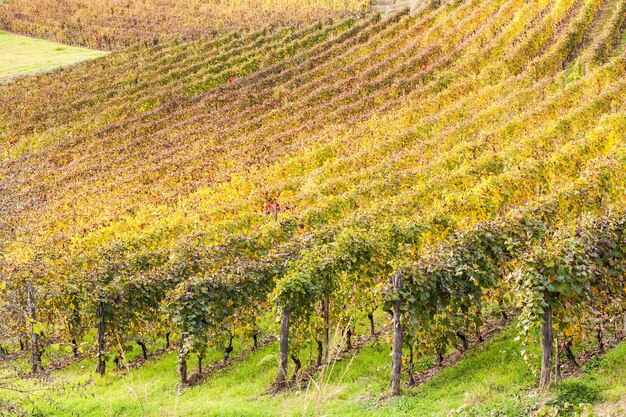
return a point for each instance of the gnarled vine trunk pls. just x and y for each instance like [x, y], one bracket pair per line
[298, 363]
[411, 366]
[464, 342]
[479, 335]
[117, 361]
[567, 349]
[228, 349]
[440, 358]
[370, 316]
[144, 350]
[320, 352]
[74, 348]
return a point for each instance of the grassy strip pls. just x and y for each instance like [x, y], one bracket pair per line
[21, 55]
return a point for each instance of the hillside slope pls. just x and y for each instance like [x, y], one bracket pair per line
[490, 380]
[444, 165]
[118, 24]
[94, 140]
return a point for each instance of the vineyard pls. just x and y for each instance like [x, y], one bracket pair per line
[299, 179]
[118, 24]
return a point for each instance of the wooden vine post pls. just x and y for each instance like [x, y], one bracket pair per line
[546, 344]
[34, 334]
[396, 353]
[284, 348]
[326, 308]
[182, 358]
[101, 342]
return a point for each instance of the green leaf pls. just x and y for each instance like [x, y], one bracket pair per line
[37, 328]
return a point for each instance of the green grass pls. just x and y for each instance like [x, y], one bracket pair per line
[21, 55]
[491, 380]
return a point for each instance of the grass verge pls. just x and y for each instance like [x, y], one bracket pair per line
[21, 55]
